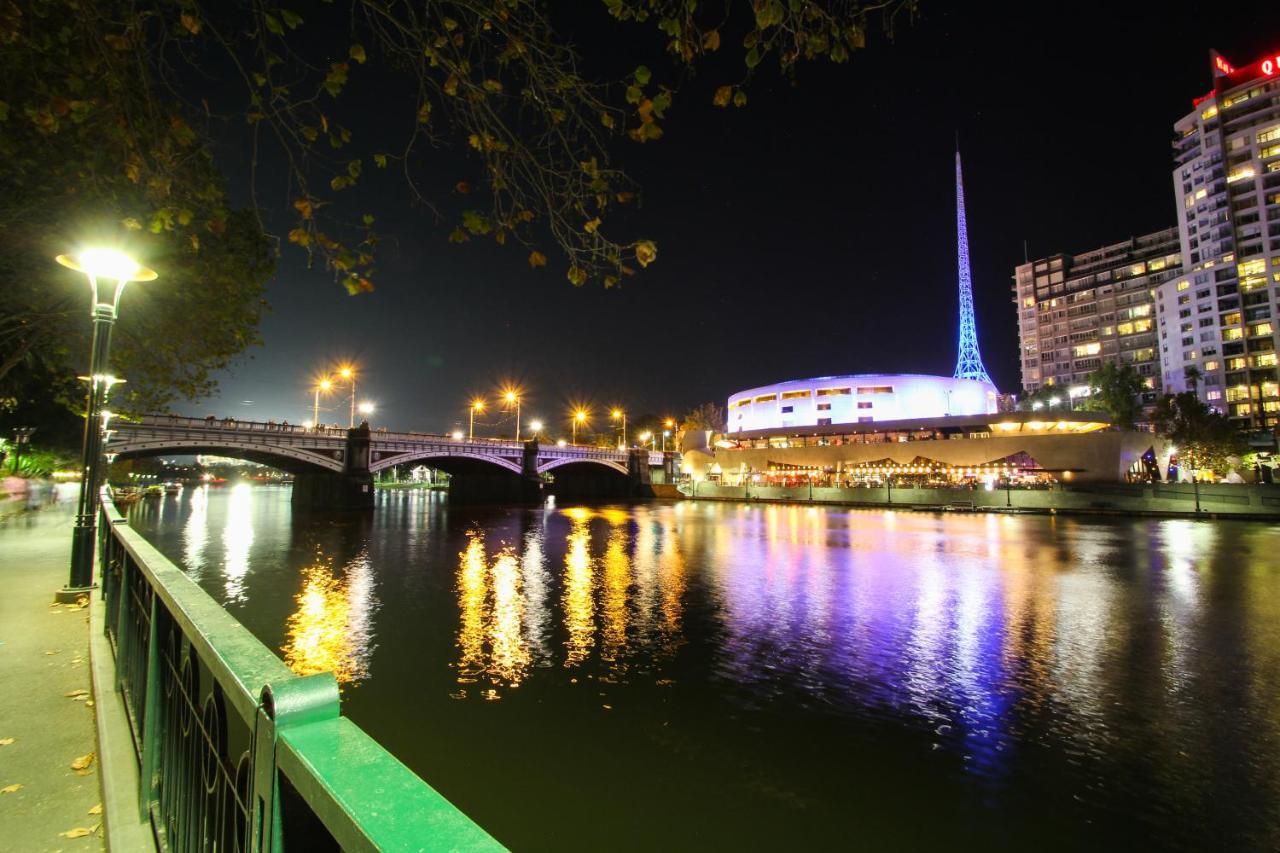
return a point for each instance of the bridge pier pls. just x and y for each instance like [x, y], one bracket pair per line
[350, 490]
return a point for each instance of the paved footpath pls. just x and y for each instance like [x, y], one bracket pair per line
[50, 797]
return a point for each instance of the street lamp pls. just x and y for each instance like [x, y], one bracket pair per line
[115, 266]
[366, 408]
[513, 398]
[535, 427]
[617, 414]
[579, 417]
[476, 406]
[644, 438]
[323, 385]
[666, 433]
[348, 372]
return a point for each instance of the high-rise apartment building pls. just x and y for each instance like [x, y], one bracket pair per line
[1219, 318]
[1078, 312]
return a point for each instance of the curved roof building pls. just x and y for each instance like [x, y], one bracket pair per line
[857, 398]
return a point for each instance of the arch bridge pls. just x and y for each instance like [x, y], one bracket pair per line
[333, 467]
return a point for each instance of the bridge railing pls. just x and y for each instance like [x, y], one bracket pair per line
[235, 751]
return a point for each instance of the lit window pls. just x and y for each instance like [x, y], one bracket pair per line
[834, 392]
[1142, 325]
[1267, 359]
[1269, 151]
[1254, 267]
[875, 389]
[1125, 328]
[766, 398]
[1183, 285]
[1210, 365]
[1239, 173]
[1137, 269]
[1141, 310]
[1209, 113]
[1271, 134]
[865, 405]
[1235, 363]
[1088, 349]
[791, 395]
[1201, 193]
[1260, 329]
[1270, 389]
[1213, 395]
[1232, 334]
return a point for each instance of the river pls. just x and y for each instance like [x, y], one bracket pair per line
[743, 676]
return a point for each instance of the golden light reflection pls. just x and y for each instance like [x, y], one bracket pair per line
[617, 580]
[331, 629]
[491, 639]
[579, 607]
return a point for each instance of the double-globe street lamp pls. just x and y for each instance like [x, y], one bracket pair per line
[114, 266]
[579, 417]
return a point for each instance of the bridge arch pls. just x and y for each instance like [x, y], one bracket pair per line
[437, 459]
[552, 464]
[292, 459]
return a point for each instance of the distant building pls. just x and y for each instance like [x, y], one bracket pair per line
[1219, 317]
[1079, 312]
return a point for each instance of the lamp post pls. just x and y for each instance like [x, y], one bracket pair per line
[579, 417]
[118, 267]
[21, 436]
[666, 433]
[323, 385]
[513, 398]
[476, 406]
[366, 408]
[349, 373]
[535, 427]
[619, 414]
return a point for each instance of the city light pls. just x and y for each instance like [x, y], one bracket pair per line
[512, 397]
[107, 263]
[457, 435]
[535, 427]
[366, 408]
[323, 385]
[619, 414]
[579, 417]
[477, 405]
[348, 371]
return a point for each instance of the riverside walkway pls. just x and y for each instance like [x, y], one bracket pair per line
[46, 704]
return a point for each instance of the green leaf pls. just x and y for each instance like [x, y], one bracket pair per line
[753, 58]
[291, 19]
[273, 24]
[357, 53]
[380, 160]
[353, 169]
[739, 98]
[368, 219]
[642, 76]
[634, 95]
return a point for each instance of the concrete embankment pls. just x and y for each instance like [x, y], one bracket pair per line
[1217, 500]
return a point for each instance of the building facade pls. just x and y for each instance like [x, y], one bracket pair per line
[859, 398]
[1079, 312]
[1219, 318]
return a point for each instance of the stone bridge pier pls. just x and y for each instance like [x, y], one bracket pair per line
[350, 489]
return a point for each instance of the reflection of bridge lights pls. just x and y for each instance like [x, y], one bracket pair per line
[331, 630]
[237, 539]
[491, 642]
[578, 603]
[195, 533]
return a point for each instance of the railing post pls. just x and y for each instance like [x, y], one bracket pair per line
[150, 717]
[122, 623]
[294, 702]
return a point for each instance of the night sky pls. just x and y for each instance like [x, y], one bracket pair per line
[810, 233]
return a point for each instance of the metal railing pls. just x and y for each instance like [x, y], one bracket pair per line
[235, 751]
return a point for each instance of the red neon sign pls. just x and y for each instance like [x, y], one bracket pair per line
[1270, 66]
[1222, 65]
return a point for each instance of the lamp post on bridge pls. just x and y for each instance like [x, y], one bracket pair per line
[476, 406]
[579, 417]
[323, 385]
[617, 414]
[120, 268]
[513, 397]
[349, 372]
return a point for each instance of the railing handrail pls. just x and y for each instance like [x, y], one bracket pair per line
[366, 798]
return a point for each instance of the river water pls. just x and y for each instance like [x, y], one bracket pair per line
[735, 676]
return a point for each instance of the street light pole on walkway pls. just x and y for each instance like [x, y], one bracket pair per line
[118, 267]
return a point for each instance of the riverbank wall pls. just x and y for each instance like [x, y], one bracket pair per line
[1212, 500]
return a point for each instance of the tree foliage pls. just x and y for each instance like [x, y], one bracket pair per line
[1116, 390]
[1204, 438]
[708, 416]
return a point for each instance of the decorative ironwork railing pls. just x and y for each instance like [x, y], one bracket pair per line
[235, 751]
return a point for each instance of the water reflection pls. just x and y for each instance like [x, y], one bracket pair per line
[237, 539]
[579, 576]
[332, 628]
[195, 532]
[491, 641]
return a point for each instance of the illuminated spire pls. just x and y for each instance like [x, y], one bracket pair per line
[969, 360]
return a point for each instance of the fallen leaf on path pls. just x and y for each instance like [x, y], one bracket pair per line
[78, 832]
[51, 653]
[10, 789]
[5, 741]
[96, 809]
[82, 762]
[89, 703]
[77, 694]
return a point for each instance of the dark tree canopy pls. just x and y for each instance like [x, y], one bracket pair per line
[1205, 439]
[109, 110]
[1117, 390]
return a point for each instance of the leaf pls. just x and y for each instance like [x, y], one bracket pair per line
[607, 120]
[300, 236]
[96, 810]
[77, 694]
[190, 23]
[537, 259]
[722, 96]
[577, 276]
[634, 94]
[739, 98]
[273, 24]
[493, 86]
[643, 75]
[380, 160]
[11, 789]
[462, 187]
[357, 53]
[78, 832]
[367, 219]
[752, 58]
[303, 206]
[591, 226]
[291, 19]
[83, 762]
[5, 741]
[711, 40]
[646, 252]
[457, 235]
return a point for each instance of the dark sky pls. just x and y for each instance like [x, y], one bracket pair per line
[810, 233]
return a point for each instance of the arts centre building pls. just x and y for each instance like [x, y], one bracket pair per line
[864, 429]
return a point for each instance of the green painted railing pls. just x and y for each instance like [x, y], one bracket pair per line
[236, 752]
